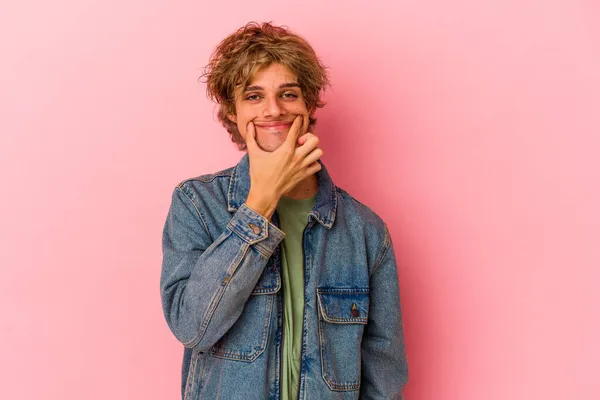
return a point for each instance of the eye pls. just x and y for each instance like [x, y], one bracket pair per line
[290, 95]
[252, 97]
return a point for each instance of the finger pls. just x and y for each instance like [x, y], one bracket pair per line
[250, 137]
[305, 124]
[312, 157]
[312, 169]
[302, 139]
[294, 132]
[310, 143]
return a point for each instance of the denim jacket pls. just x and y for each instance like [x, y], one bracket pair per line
[222, 298]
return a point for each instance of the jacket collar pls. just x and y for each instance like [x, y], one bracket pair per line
[325, 207]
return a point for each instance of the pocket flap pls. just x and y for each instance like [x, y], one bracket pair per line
[344, 305]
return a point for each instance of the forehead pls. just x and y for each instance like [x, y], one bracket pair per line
[273, 75]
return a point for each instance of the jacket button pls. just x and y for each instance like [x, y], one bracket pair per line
[354, 312]
[256, 229]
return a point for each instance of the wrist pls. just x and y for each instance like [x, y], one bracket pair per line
[262, 204]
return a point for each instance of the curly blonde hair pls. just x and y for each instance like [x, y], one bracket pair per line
[236, 59]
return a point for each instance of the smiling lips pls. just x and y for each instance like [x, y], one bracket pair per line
[274, 126]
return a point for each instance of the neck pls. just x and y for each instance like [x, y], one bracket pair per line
[305, 189]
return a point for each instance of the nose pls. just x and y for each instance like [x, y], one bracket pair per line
[272, 108]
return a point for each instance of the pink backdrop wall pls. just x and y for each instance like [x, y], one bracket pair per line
[471, 127]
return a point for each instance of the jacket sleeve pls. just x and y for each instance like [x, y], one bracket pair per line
[384, 365]
[205, 284]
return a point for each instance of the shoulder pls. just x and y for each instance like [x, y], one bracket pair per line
[212, 187]
[205, 178]
[363, 221]
[352, 206]
[357, 214]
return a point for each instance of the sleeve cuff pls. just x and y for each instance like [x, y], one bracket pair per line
[253, 227]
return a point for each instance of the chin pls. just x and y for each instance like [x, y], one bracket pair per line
[270, 145]
[272, 139]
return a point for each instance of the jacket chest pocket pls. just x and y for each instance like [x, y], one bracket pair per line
[343, 314]
[247, 338]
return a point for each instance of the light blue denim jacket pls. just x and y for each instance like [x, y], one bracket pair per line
[221, 295]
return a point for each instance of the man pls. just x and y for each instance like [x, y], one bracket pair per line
[279, 284]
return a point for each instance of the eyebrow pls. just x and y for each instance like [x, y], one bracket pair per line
[282, 86]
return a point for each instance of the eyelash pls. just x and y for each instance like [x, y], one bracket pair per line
[291, 95]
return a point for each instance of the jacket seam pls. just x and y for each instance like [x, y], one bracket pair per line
[191, 375]
[255, 352]
[197, 210]
[210, 179]
[382, 253]
[218, 296]
[262, 250]
[331, 383]
[207, 178]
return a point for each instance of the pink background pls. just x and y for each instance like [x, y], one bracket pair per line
[472, 127]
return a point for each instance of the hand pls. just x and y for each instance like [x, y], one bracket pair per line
[275, 173]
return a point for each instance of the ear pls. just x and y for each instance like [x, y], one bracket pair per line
[232, 118]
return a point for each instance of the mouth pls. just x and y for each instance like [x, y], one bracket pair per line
[275, 127]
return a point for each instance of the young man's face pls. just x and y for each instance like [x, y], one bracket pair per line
[271, 101]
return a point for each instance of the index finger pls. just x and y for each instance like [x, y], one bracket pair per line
[305, 124]
[294, 131]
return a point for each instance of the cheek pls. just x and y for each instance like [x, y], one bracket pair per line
[297, 109]
[300, 107]
[242, 119]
